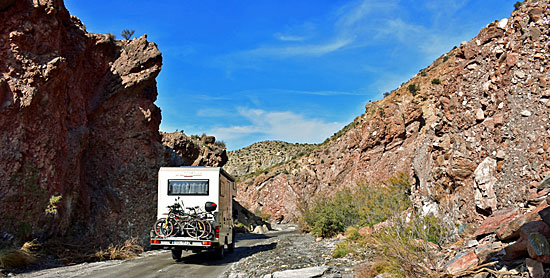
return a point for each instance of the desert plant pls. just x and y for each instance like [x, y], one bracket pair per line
[423, 73]
[445, 58]
[364, 205]
[111, 36]
[51, 208]
[127, 34]
[436, 81]
[386, 94]
[413, 88]
[517, 5]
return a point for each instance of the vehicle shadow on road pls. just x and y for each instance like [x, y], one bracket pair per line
[209, 258]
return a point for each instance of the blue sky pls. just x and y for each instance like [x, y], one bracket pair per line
[297, 71]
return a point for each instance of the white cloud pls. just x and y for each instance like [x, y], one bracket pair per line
[282, 37]
[278, 125]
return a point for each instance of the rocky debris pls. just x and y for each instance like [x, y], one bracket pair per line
[294, 254]
[185, 150]
[475, 144]
[263, 155]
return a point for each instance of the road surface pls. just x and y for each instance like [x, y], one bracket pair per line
[159, 263]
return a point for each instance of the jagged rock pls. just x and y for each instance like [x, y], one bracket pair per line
[77, 120]
[461, 262]
[485, 181]
[184, 150]
[511, 229]
[534, 226]
[545, 215]
[516, 250]
[309, 272]
[538, 247]
[491, 224]
[545, 183]
[536, 269]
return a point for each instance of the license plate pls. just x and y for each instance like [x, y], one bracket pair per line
[180, 242]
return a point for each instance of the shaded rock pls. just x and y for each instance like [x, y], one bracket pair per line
[536, 270]
[545, 183]
[545, 215]
[511, 229]
[516, 250]
[4, 4]
[534, 226]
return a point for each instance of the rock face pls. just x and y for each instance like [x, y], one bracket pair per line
[77, 120]
[185, 150]
[476, 143]
[263, 155]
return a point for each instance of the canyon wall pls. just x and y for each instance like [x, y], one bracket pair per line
[472, 131]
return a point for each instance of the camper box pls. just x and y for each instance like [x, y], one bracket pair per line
[208, 188]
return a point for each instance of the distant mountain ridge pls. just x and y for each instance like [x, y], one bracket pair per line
[262, 155]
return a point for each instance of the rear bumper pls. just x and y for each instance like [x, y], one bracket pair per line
[183, 243]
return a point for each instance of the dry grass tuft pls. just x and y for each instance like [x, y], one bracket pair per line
[129, 249]
[19, 258]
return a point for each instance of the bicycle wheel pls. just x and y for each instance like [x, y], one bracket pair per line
[163, 227]
[207, 229]
[195, 228]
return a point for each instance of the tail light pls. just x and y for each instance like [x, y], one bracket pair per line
[217, 234]
[206, 243]
[155, 241]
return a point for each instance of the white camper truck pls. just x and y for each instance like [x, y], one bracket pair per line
[194, 188]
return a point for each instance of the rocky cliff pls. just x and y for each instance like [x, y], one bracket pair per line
[190, 151]
[263, 155]
[77, 120]
[471, 130]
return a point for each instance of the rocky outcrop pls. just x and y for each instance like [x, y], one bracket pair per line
[77, 120]
[473, 142]
[189, 151]
[263, 155]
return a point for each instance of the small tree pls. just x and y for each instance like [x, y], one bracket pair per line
[127, 34]
[436, 81]
[517, 5]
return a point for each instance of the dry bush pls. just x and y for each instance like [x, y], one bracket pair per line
[129, 249]
[407, 248]
[20, 258]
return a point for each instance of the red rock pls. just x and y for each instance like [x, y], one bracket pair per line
[490, 224]
[486, 251]
[536, 269]
[538, 247]
[510, 229]
[534, 226]
[516, 250]
[545, 215]
[461, 262]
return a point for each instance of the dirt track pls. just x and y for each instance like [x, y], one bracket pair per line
[160, 263]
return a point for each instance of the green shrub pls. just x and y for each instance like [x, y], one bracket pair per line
[341, 250]
[445, 58]
[436, 81]
[517, 5]
[362, 206]
[423, 73]
[413, 89]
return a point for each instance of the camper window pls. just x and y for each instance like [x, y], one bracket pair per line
[187, 187]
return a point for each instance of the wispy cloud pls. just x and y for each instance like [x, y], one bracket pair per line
[279, 125]
[291, 38]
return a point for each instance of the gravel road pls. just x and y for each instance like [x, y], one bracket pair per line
[255, 255]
